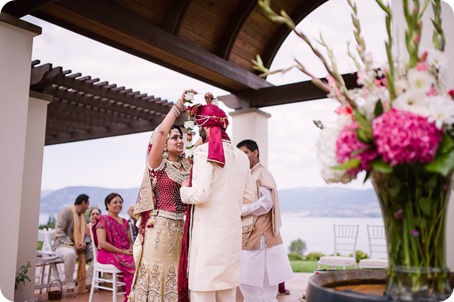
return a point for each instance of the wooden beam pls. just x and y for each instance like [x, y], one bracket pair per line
[158, 41]
[281, 95]
[283, 31]
[44, 76]
[243, 10]
[74, 111]
[175, 15]
[21, 8]
[135, 127]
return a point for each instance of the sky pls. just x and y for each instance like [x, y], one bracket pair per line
[118, 162]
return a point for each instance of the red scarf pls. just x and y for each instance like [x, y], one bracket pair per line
[183, 282]
[213, 117]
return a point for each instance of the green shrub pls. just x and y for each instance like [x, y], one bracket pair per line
[294, 257]
[314, 256]
[360, 255]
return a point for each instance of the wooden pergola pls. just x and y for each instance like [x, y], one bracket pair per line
[212, 41]
[86, 108]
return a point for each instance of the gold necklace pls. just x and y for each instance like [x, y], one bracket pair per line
[177, 164]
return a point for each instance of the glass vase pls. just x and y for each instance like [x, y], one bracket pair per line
[414, 203]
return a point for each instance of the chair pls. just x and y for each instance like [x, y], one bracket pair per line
[377, 247]
[345, 237]
[99, 269]
[46, 258]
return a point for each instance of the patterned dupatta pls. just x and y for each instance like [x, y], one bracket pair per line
[183, 282]
[80, 225]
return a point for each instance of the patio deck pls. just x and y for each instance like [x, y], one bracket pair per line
[297, 286]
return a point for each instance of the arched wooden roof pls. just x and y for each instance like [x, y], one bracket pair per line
[212, 41]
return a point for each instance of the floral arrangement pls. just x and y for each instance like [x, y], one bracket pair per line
[401, 113]
[397, 126]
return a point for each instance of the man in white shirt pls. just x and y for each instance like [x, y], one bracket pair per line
[264, 261]
[221, 181]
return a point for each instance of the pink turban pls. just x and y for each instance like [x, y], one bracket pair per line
[213, 117]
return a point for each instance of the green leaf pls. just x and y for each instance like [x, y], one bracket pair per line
[366, 177]
[446, 144]
[380, 166]
[431, 183]
[425, 205]
[442, 164]
[378, 109]
[364, 132]
[349, 164]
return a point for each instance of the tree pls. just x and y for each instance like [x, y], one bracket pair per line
[50, 223]
[297, 247]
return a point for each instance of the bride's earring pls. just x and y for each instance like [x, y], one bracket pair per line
[165, 155]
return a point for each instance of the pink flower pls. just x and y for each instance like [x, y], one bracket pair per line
[422, 67]
[403, 137]
[334, 89]
[451, 93]
[347, 110]
[349, 147]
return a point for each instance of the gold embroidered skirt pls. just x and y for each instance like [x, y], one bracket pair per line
[157, 261]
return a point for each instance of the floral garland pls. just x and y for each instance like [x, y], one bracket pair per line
[189, 123]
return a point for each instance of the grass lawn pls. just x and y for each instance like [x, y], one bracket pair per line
[302, 266]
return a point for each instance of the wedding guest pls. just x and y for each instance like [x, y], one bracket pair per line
[132, 223]
[93, 216]
[264, 261]
[70, 244]
[161, 213]
[113, 240]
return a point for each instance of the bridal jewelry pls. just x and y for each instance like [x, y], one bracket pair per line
[177, 164]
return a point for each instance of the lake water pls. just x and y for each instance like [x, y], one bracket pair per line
[317, 232]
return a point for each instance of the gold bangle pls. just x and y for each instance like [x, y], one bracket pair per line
[175, 111]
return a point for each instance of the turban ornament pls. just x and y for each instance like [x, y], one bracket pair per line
[213, 117]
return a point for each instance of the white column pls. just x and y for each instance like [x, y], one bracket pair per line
[426, 41]
[16, 38]
[31, 188]
[252, 124]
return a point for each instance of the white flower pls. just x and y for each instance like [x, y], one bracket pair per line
[326, 152]
[441, 111]
[189, 96]
[370, 98]
[401, 85]
[436, 58]
[412, 101]
[189, 124]
[419, 80]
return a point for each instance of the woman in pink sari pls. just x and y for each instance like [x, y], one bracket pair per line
[114, 240]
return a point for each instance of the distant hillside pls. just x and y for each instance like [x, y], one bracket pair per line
[330, 202]
[321, 202]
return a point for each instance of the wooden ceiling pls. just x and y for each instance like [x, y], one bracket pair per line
[212, 41]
